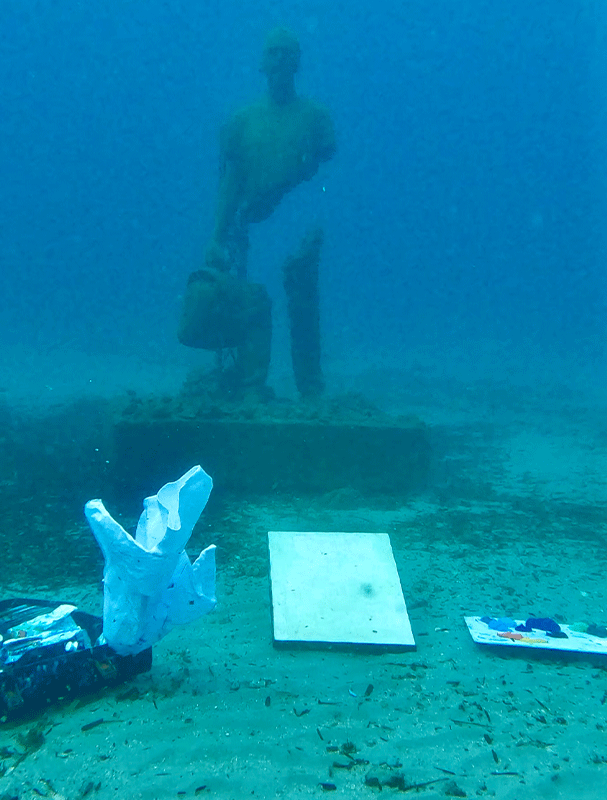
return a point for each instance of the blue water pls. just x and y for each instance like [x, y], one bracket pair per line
[466, 202]
[462, 280]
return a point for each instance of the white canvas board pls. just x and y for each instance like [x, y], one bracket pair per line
[576, 642]
[337, 588]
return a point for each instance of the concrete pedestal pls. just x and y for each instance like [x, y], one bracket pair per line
[270, 456]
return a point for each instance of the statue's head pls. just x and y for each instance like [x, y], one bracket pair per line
[281, 54]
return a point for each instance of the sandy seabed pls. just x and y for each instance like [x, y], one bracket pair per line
[515, 523]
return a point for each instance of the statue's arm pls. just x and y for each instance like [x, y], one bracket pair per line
[325, 136]
[321, 145]
[228, 199]
[229, 195]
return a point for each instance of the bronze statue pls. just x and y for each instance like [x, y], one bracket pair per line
[266, 150]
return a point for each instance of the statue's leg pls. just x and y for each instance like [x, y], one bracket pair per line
[249, 366]
[253, 361]
[300, 276]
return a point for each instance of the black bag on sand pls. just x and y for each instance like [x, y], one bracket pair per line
[219, 309]
[49, 651]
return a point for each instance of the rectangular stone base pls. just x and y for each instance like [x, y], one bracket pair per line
[261, 457]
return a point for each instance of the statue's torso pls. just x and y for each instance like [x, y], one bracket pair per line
[274, 148]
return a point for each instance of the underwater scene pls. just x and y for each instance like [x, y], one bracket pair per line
[303, 399]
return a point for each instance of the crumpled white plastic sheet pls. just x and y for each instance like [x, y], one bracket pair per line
[150, 585]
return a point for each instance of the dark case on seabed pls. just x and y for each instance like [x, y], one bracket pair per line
[49, 652]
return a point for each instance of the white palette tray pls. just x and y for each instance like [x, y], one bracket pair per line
[575, 642]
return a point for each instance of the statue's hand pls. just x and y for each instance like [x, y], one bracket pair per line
[217, 257]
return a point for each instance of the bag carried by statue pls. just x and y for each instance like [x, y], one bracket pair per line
[219, 310]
